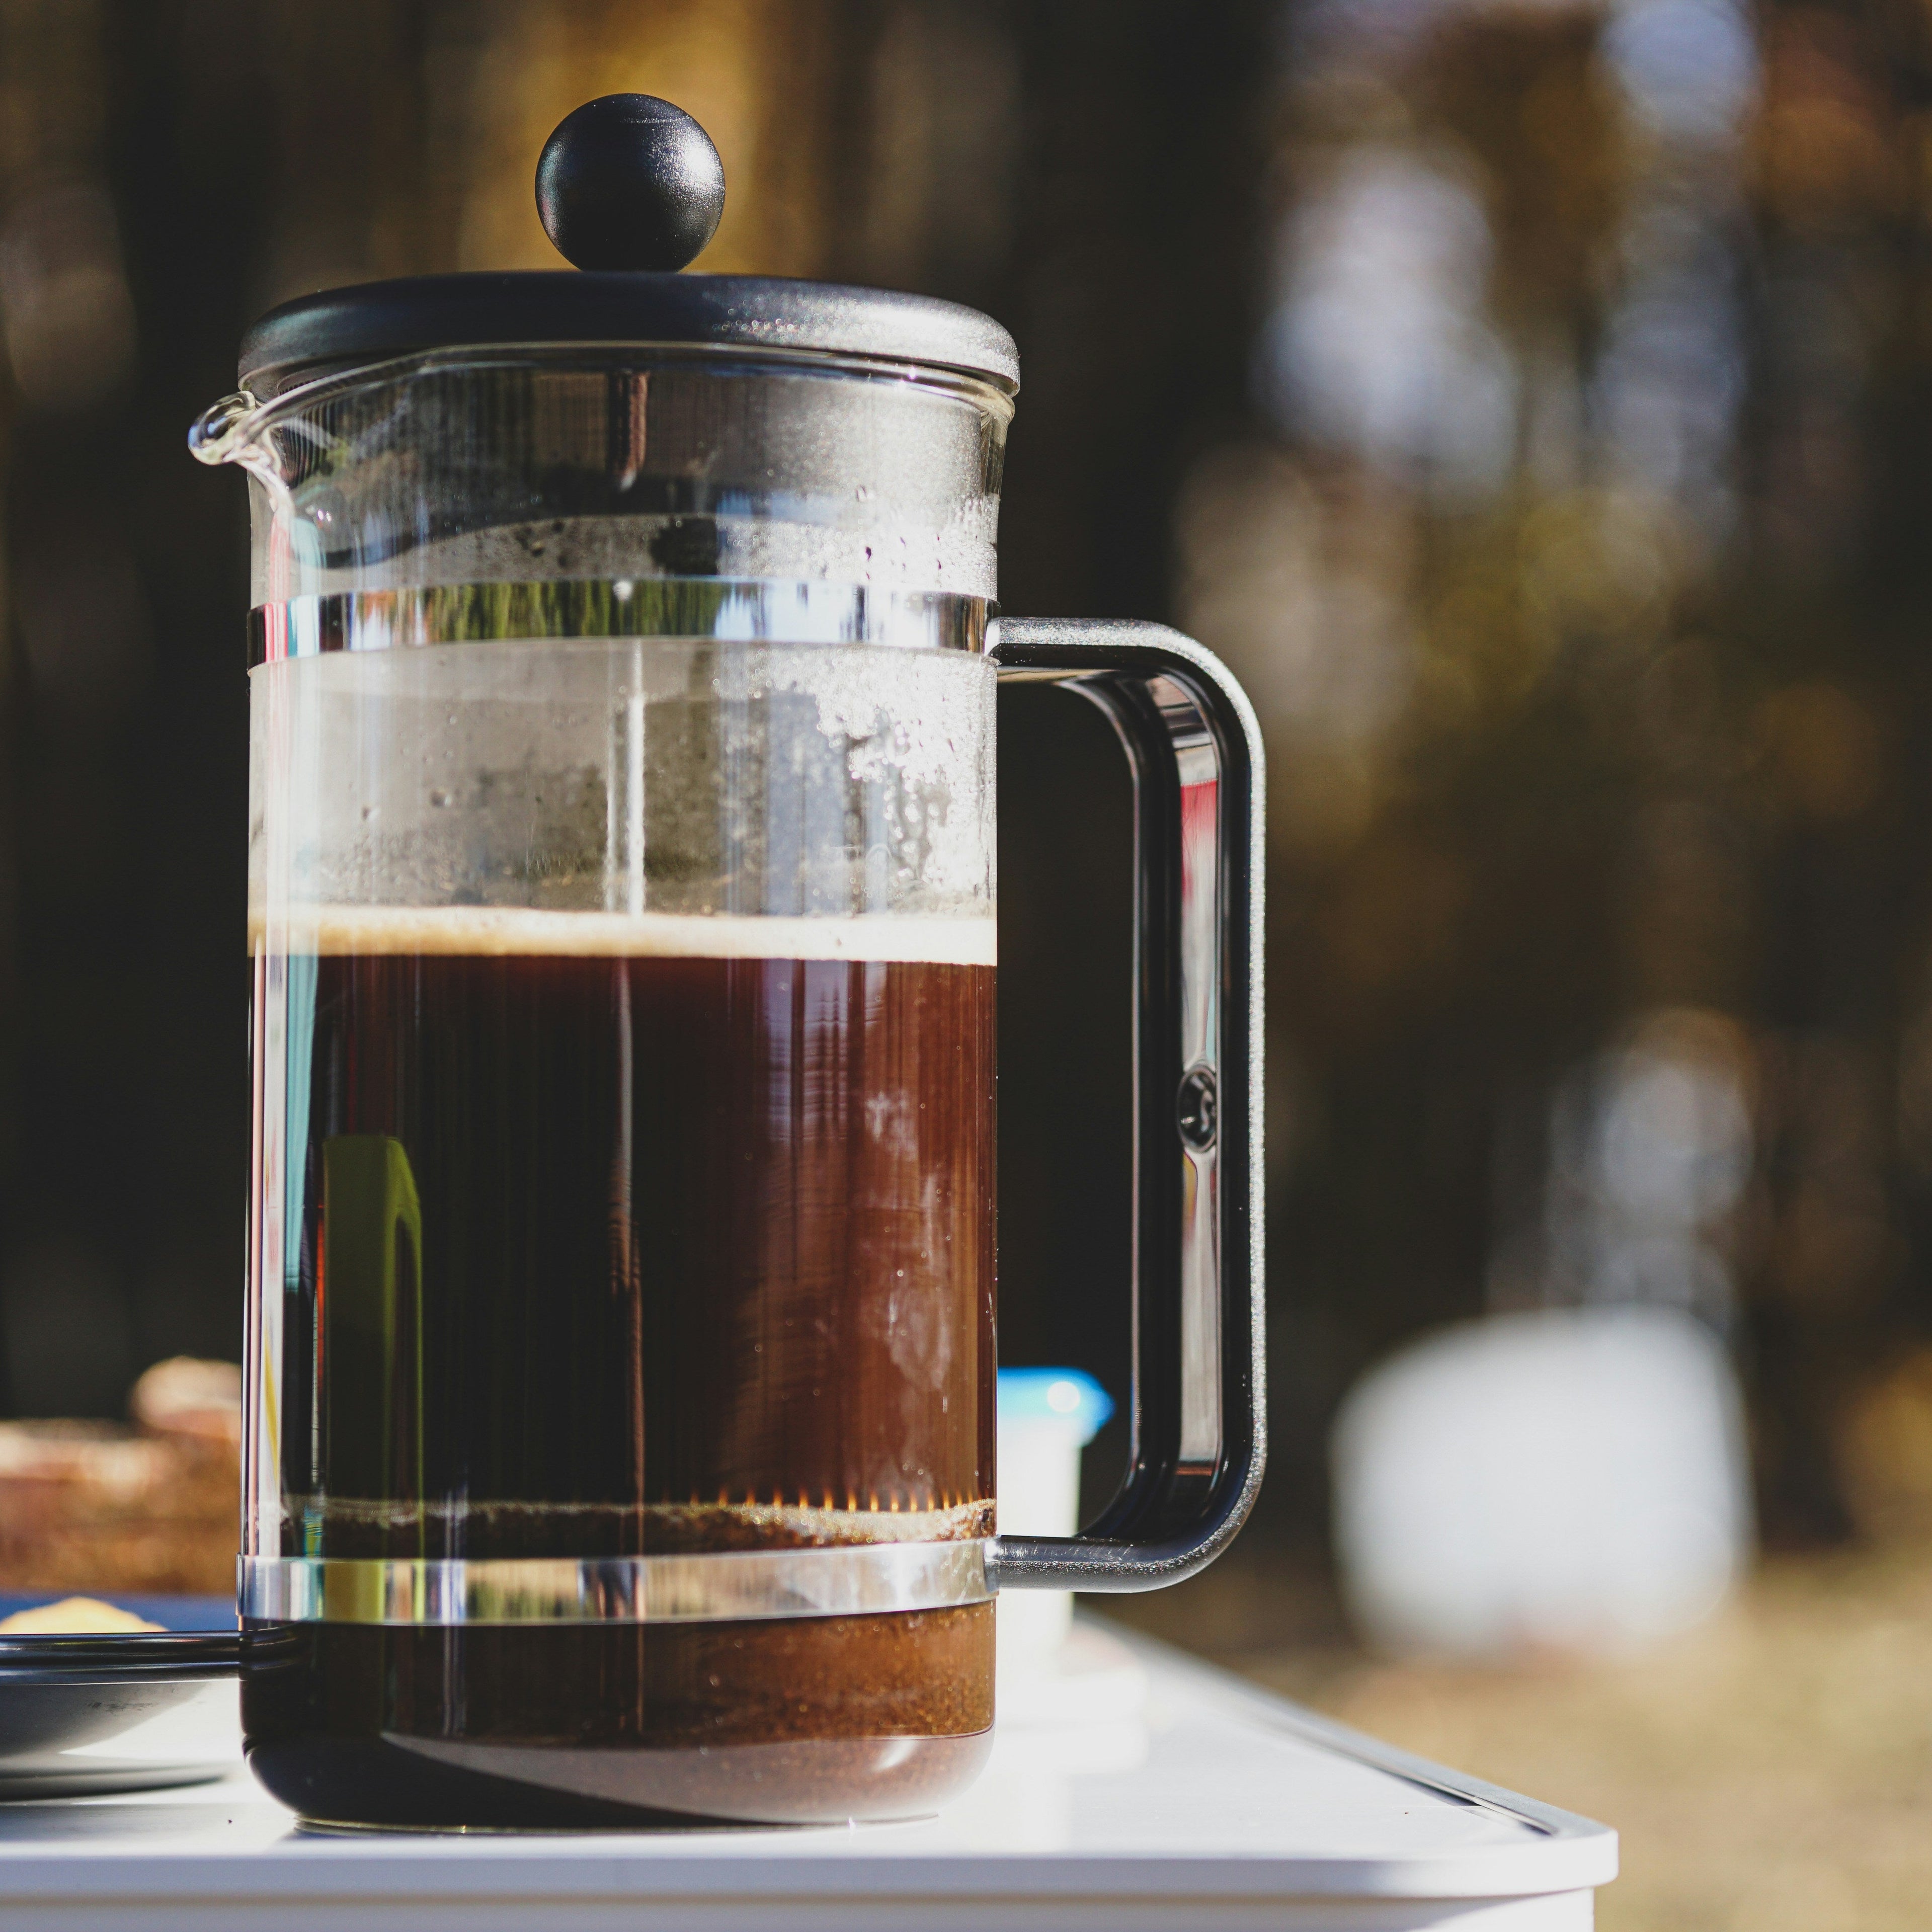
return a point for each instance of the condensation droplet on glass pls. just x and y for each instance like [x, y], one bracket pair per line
[438, 796]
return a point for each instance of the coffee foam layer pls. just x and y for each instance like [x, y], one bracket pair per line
[522, 931]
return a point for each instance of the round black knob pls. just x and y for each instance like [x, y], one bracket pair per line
[630, 181]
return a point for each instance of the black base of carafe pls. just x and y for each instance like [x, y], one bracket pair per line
[377, 1784]
[807, 1720]
[367, 1782]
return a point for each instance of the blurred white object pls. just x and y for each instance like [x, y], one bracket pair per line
[1570, 1479]
[1046, 1417]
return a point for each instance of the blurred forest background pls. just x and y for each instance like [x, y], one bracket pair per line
[1533, 403]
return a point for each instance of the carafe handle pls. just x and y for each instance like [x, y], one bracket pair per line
[1198, 1422]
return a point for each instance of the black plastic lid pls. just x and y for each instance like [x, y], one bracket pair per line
[629, 188]
[378, 320]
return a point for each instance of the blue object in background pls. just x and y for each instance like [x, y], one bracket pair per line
[1055, 1395]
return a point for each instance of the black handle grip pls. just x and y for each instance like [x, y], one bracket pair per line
[1197, 1435]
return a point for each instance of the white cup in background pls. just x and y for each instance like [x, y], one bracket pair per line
[1046, 1417]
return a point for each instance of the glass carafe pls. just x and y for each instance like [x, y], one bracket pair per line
[621, 908]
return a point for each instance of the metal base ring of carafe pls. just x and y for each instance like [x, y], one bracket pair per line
[726, 1587]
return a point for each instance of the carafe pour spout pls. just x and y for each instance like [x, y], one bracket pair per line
[215, 435]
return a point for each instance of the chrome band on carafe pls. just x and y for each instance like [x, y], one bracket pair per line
[734, 610]
[726, 1587]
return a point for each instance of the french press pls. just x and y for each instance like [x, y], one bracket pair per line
[620, 1320]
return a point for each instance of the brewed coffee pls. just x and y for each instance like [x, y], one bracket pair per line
[622, 1234]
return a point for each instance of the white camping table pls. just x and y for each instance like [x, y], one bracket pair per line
[1134, 1789]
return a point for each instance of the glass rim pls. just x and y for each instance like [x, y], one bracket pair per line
[330, 383]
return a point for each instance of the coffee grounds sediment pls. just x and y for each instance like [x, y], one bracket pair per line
[786, 1721]
[354, 1527]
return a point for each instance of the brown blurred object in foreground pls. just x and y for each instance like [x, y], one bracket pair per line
[93, 1506]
